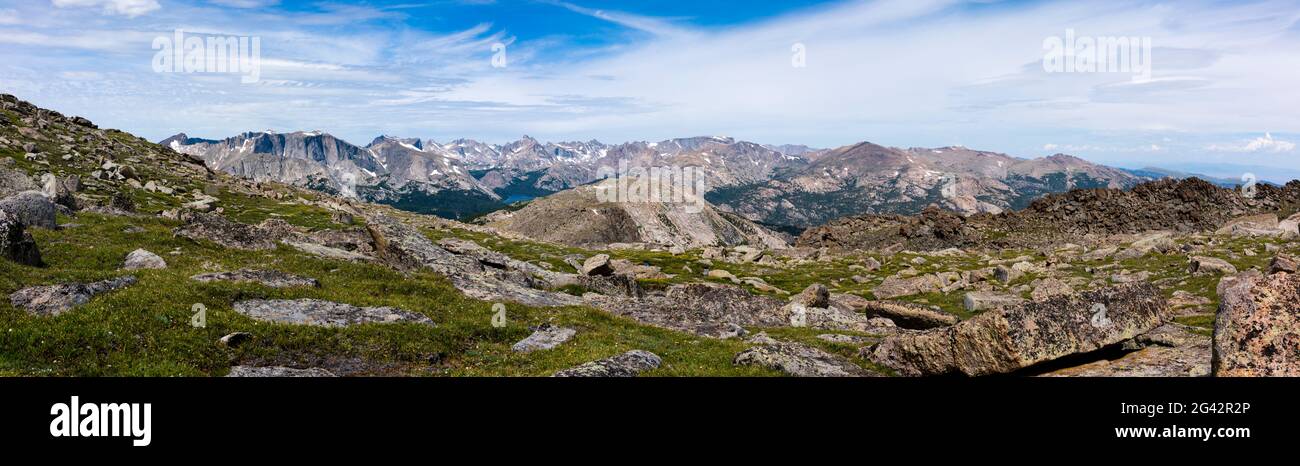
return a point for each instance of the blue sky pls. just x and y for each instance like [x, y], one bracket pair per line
[1221, 95]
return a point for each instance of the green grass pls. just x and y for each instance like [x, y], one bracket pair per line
[1203, 323]
[144, 330]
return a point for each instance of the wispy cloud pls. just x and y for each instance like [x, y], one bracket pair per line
[128, 8]
[657, 26]
[897, 72]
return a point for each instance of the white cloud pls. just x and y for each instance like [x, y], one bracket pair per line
[1267, 143]
[9, 16]
[128, 8]
[1264, 143]
[896, 72]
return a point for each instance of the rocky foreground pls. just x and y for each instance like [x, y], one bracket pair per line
[122, 257]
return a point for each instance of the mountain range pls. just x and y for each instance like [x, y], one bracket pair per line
[789, 187]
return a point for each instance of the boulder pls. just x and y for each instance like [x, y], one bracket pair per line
[798, 360]
[1257, 331]
[815, 295]
[1049, 287]
[142, 259]
[612, 285]
[52, 300]
[323, 313]
[1160, 242]
[32, 208]
[1282, 263]
[893, 287]
[1251, 225]
[1228, 280]
[1006, 274]
[641, 271]
[1290, 224]
[629, 364]
[1021, 335]
[12, 180]
[405, 248]
[544, 338]
[1167, 351]
[328, 252]
[216, 228]
[985, 300]
[908, 315]
[1209, 265]
[761, 285]
[749, 253]
[723, 274]
[269, 278]
[598, 264]
[16, 243]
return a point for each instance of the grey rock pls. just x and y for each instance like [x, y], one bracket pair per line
[1019, 336]
[1282, 263]
[270, 278]
[32, 208]
[1257, 330]
[544, 338]
[815, 295]
[406, 248]
[1204, 265]
[1048, 287]
[984, 300]
[629, 364]
[908, 315]
[598, 264]
[52, 300]
[14, 181]
[328, 252]
[216, 228]
[798, 360]
[323, 313]
[1166, 351]
[893, 287]
[1006, 274]
[142, 259]
[16, 243]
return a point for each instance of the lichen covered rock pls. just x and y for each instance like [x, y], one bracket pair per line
[1019, 336]
[1257, 331]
